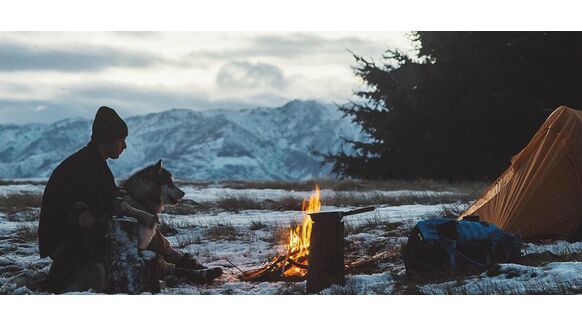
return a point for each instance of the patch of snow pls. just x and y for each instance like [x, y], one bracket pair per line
[559, 247]
[409, 214]
[6, 190]
[233, 288]
[374, 284]
[553, 278]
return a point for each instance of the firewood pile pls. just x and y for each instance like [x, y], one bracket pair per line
[282, 268]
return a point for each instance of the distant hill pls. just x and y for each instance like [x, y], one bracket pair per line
[262, 143]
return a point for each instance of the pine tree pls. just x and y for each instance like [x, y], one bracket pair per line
[463, 107]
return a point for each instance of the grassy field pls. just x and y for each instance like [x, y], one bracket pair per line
[346, 185]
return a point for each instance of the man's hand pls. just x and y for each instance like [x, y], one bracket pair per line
[80, 215]
[87, 220]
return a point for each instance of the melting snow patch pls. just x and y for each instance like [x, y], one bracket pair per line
[20, 189]
[238, 288]
[374, 284]
[553, 278]
[559, 247]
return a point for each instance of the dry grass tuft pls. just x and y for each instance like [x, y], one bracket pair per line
[257, 225]
[369, 225]
[21, 200]
[278, 234]
[236, 203]
[450, 211]
[9, 182]
[345, 193]
[225, 231]
[288, 203]
[347, 185]
[187, 207]
[379, 198]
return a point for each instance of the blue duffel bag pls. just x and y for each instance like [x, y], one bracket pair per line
[443, 246]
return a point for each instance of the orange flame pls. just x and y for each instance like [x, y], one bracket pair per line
[299, 238]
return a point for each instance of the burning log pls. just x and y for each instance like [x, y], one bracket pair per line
[297, 264]
[271, 271]
[266, 273]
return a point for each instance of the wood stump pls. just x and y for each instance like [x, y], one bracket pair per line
[127, 271]
[326, 254]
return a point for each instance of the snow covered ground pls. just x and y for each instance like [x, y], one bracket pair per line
[552, 278]
[248, 239]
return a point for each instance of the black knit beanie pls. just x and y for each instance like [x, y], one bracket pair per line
[107, 126]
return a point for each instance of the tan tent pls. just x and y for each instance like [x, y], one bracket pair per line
[540, 194]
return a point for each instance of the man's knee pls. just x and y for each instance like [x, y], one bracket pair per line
[65, 263]
[90, 275]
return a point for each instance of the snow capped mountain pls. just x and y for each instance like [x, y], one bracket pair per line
[262, 143]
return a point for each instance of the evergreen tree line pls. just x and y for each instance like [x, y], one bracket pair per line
[462, 106]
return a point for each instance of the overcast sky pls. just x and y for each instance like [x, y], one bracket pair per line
[47, 76]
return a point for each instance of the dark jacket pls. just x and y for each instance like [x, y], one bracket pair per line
[83, 177]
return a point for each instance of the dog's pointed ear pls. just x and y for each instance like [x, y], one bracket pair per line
[156, 170]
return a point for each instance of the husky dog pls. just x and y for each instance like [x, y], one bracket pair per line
[149, 190]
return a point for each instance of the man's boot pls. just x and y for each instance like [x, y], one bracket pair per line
[202, 276]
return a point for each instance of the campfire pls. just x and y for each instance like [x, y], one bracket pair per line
[293, 265]
[319, 258]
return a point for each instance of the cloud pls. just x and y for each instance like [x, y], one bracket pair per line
[82, 100]
[49, 76]
[40, 108]
[245, 75]
[19, 112]
[129, 100]
[295, 45]
[20, 57]
[303, 44]
[139, 34]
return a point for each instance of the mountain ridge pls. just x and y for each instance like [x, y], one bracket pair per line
[253, 143]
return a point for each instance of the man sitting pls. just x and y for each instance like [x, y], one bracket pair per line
[76, 205]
